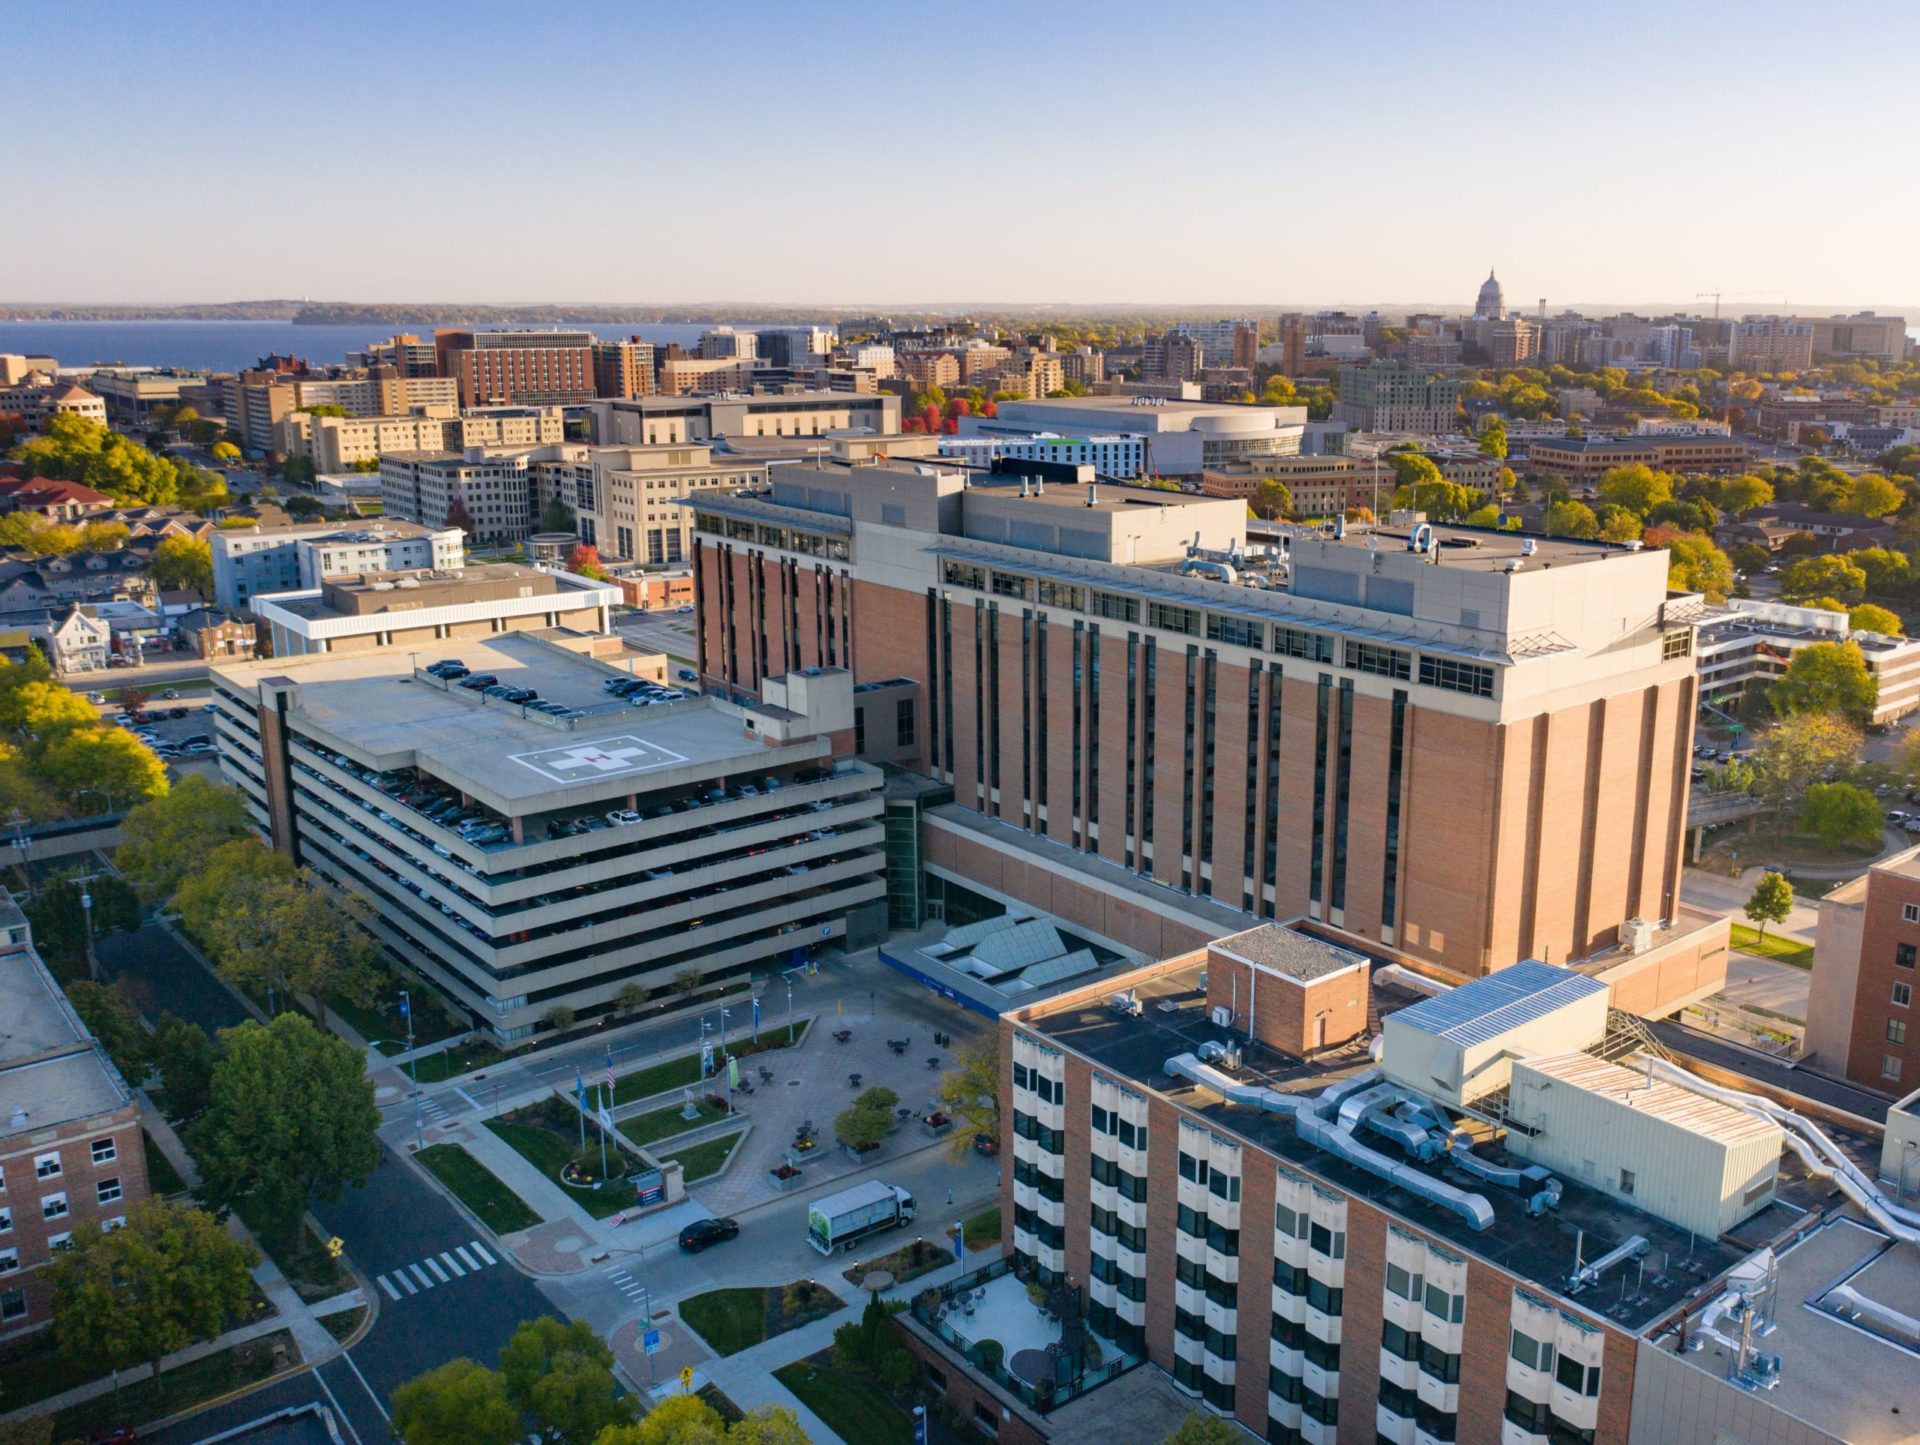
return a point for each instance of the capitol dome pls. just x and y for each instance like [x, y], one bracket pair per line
[1491, 303]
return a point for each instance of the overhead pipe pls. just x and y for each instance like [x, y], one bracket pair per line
[1586, 1274]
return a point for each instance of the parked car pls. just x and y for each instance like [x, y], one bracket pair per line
[685, 609]
[704, 1233]
[171, 692]
[623, 817]
[97, 698]
[479, 682]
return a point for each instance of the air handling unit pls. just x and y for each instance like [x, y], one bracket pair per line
[1459, 1047]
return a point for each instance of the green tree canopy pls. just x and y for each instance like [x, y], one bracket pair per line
[1771, 902]
[559, 1375]
[1829, 677]
[1694, 564]
[1803, 749]
[291, 1112]
[460, 1403]
[1202, 1429]
[868, 1120]
[1840, 813]
[73, 449]
[1869, 495]
[166, 838]
[1870, 618]
[1739, 495]
[970, 1094]
[183, 564]
[1636, 487]
[1885, 568]
[110, 1018]
[169, 1278]
[1272, 500]
[185, 1057]
[100, 769]
[1826, 576]
[1570, 519]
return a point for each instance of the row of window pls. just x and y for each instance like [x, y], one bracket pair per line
[1051, 1091]
[49, 1165]
[1130, 1135]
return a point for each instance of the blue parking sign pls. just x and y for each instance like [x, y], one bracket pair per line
[650, 1342]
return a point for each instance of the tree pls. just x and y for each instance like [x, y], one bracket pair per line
[1493, 439]
[1441, 500]
[1570, 519]
[291, 1111]
[1771, 902]
[183, 564]
[1752, 557]
[303, 507]
[555, 516]
[631, 998]
[56, 539]
[1869, 618]
[112, 767]
[460, 1403]
[687, 982]
[1869, 495]
[769, 1425]
[185, 1057]
[1637, 487]
[1739, 495]
[166, 838]
[44, 711]
[1487, 514]
[1199, 1429]
[74, 449]
[1694, 564]
[586, 561]
[676, 1420]
[110, 1018]
[104, 536]
[1272, 500]
[559, 1018]
[1803, 749]
[560, 1375]
[1823, 577]
[225, 452]
[970, 1094]
[1619, 524]
[1410, 469]
[169, 1278]
[1885, 568]
[1840, 813]
[1828, 677]
[1683, 516]
[868, 1120]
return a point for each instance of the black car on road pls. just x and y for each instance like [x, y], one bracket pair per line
[704, 1232]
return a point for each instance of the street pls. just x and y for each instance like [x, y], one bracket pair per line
[660, 631]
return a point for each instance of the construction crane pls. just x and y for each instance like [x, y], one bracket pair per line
[1716, 295]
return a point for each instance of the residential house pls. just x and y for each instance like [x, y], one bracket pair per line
[78, 639]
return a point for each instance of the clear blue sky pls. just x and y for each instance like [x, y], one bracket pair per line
[805, 150]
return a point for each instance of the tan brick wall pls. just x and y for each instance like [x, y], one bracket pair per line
[1229, 785]
[1881, 934]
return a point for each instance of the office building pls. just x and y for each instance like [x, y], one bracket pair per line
[623, 498]
[1390, 396]
[1119, 455]
[260, 405]
[623, 368]
[697, 376]
[663, 421]
[796, 348]
[70, 1146]
[1182, 438]
[1860, 1011]
[256, 560]
[1506, 1225]
[1768, 344]
[358, 612]
[1862, 336]
[1321, 486]
[1427, 738]
[1222, 342]
[606, 844]
[133, 393]
[489, 492]
[406, 354]
[17, 368]
[346, 443]
[35, 399]
[542, 367]
[1512, 342]
[1587, 458]
[723, 343]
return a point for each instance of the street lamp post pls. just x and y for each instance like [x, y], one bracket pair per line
[789, 1008]
[86, 914]
[413, 1067]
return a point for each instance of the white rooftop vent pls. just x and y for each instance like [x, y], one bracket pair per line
[1223, 1016]
[19, 1119]
[1528, 546]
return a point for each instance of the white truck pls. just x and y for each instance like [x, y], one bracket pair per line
[839, 1221]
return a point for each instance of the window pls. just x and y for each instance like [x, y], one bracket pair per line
[1896, 1031]
[1902, 994]
[1192, 1169]
[1381, 661]
[104, 1151]
[1534, 1354]
[986, 1417]
[1451, 1308]
[1403, 1282]
[1331, 1243]
[1439, 1365]
[1225, 1186]
[1324, 1297]
[9, 1260]
[935, 1377]
[1237, 630]
[6, 1220]
[1287, 1222]
[1579, 1378]
[1903, 955]
[108, 1190]
[1173, 619]
[54, 1206]
[47, 1166]
[1626, 1182]
[1467, 677]
[60, 1241]
[13, 1304]
[1676, 644]
[1910, 912]
[1290, 1333]
[1889, 1066]
[1293, 642]
[1400, 1343]
[1532, 1416]
[1115, 607]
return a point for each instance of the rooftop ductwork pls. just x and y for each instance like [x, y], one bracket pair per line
[1587, 1274]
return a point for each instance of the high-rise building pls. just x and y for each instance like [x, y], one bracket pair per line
[659, 421]
[623, 498]
[930, 368]
[1173, 356]
[1860, 1014]
[1389, 396]
[795, 348]
[1427, 738]
[1084, 366]
[723, 343]
[1219, 341]
[1293, 343]
[623, 368]
[1770, 344]
[407, 354]
[1511, 342]
[550, 367]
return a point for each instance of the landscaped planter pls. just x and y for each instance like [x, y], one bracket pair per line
[861, 1156]
[786, 1177]
[938, 1124]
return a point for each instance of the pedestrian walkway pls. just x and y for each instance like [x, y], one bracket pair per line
[168, 1141]
[443, 1268]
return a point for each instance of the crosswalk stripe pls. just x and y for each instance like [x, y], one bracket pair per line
[387, 1285]
[439, 1273]
[421, 1275]
[461, 1250]
[480, 1250]
[405, 1283]
[449, 1261]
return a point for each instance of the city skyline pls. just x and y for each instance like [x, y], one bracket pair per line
[1453, 134]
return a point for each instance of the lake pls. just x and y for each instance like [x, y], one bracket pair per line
[236, 345]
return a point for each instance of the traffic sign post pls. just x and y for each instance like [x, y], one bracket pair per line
[650, 1342]
[686, 1378]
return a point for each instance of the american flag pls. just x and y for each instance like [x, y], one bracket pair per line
[609, 1080]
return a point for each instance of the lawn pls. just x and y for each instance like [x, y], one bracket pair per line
[721, 1403]
[853, 1407]
[1781, 950]
[301, 1254]
[546, 1135]
[162, 1177]
[982, 1229]
[731, 1320]
[910, 1261]
[179, 1389]
[342, 1323]
[380, 1021]
[685, 1070]
[462, 1058]
[698, 1161]
[664, 1123]
[477, 1187]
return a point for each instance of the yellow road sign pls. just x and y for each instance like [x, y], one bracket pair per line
[335, 1245]
[686, 1377]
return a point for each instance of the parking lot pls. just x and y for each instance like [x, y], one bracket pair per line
[178, 728]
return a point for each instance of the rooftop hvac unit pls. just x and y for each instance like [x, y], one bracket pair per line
[1222, 1016]
[1230, 1060]
[1636, 935]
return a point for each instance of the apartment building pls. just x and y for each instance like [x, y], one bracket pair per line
[1470, 1215]
[1860, 1011]
[526, 856]
[1180, 438]
[260, 405]
[418, 608]
[697, 376]
[1172, 356]
[930, 368]
[623, 368]
[1769, 344]
[1427, 738]
[339, 444]
[552, 368]
[70, 1147]
[663, 421]
[1587, 458]
[1390, 396]
[724, 343]
[624, 498]
[35, 401]
[796, 348]
[1751, 645]
[1031, 375]
[258, 560]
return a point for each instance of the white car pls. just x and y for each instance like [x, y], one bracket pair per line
[623, 817]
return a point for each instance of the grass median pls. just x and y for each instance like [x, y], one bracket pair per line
[479, 1188]
[180, 1388]
[649, 1128]
[852, 1406]
[546, 1136]
[684, 1071]
[699, 1161]
[1789, 951]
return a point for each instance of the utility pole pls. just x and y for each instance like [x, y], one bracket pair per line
[413, 1065]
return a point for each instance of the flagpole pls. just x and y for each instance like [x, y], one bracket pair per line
[603, 1139]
